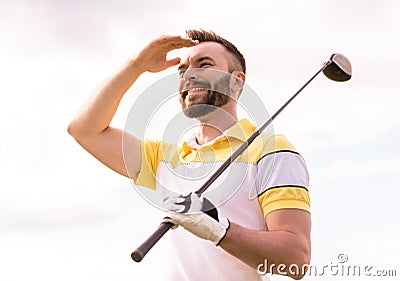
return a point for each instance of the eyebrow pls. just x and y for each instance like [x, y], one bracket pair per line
[200, 59]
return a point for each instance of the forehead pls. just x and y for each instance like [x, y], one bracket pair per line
[213, 50]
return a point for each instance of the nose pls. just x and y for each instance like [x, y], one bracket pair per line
[190, 74]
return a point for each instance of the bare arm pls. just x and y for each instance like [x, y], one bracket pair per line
[286, 242]
[91, 126]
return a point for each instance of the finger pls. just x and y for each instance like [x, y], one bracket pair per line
[178, 41]
[180, 199]
[172, 62]
[168, 219]
[186, 42]
[173, 199]
[172, 43]
[176, 208]
[171, 207]
[175, 218]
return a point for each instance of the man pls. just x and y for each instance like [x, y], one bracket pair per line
[273, 226]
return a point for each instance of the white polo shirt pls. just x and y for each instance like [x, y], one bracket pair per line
[268, 176]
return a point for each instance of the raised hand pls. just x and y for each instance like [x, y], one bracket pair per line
[153, 57]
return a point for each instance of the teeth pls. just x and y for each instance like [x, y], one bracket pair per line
[197, 89]
[187, 92]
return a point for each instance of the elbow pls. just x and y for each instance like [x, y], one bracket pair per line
[301, 266]
[76, 131]
[72, 129]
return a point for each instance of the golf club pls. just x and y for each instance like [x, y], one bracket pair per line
[337, 68]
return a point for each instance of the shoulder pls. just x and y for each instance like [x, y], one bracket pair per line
[275, 143]
[268, 144]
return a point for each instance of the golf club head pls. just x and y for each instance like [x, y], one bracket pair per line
[339, 68]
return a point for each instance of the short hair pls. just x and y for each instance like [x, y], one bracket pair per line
[206, 36]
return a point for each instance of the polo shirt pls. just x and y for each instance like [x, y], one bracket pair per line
[269, 175]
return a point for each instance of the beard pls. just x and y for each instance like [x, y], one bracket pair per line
[211, 101]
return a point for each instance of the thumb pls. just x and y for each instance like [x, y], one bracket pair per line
[172, 62]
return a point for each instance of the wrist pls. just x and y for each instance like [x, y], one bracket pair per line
[135, 64]
[225, 223]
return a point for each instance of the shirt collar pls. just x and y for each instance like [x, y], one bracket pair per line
[242, 130]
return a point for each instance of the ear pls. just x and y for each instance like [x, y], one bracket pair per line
[237, 82]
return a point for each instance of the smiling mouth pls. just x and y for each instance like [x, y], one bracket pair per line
[187, 92]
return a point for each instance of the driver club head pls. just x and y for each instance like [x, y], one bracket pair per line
[338, 69]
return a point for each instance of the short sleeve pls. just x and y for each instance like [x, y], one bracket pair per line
[151, 157]
[282, 179]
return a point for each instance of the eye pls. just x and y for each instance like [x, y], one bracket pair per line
[203, 64]
[181, 72]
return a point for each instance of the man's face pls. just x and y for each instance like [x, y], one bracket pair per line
[205, 83]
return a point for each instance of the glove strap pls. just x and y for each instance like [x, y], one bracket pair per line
[209, 209]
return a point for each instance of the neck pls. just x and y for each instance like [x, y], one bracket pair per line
[215, 123]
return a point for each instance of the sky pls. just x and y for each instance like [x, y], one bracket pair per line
[63, 215]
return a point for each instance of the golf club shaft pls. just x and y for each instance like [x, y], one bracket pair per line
[143, 249]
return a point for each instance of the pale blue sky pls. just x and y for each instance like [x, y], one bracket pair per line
[64, 216]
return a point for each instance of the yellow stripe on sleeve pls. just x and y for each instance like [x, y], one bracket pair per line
[285, 197]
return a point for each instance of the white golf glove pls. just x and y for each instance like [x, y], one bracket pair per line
[191, 203]
[201, 225]
[197, 215]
